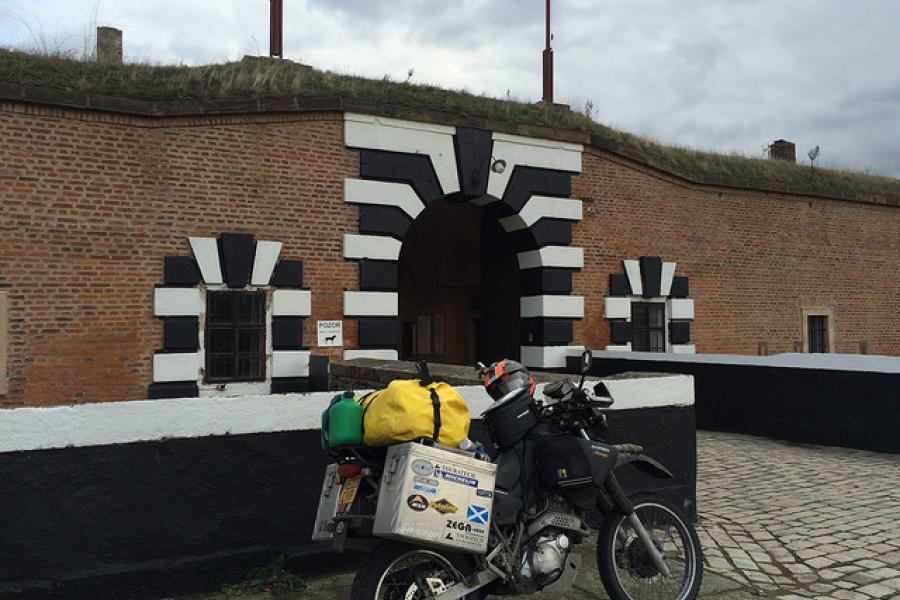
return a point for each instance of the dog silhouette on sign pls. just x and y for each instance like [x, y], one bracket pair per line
[330, 338]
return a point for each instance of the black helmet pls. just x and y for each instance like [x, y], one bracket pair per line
[505, 376]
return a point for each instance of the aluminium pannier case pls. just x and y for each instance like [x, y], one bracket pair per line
[407, 410]
[435, 497]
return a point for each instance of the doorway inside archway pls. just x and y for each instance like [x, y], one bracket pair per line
[459, 287]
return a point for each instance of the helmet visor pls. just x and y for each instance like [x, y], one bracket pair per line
[507, 383]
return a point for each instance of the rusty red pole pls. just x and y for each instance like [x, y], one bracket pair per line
[275, 28]
[548, 63]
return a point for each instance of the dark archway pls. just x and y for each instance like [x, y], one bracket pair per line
[459, 287]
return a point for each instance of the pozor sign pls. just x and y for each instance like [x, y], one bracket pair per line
[330, 333]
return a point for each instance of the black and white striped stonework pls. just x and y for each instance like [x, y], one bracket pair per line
[649, 279]
[404, 166]
[233, 261]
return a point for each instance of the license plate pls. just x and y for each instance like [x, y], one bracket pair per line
[348, 492]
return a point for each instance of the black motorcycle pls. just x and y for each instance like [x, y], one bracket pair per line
[551, 474]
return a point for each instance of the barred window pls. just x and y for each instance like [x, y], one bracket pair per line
[648, 327]
[817, 330]
[235, 336]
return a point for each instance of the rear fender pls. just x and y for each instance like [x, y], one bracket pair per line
[645, 464]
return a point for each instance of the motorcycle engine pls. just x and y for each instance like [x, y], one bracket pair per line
[545, 556]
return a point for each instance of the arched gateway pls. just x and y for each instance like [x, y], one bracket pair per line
[521, 184]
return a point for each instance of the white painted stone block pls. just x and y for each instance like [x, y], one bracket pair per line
[370, 304]
[552, 306]
[206, 251]
[668, 275]
[542, 207]
[290, 363]
[683, 348]
[681, 308]
[548, 357]
[617, 308]
[264, 262]
[375, 247]
[291, 303]
[633, 271]
[181, 366]
[178, 302]
[386, 354]
[383, 193]
[552, 256]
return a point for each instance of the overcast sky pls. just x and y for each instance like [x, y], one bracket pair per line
[724, 75]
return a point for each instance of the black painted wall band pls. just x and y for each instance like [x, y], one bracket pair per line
[379, 276]
[651, 275]
[383, 220]
[290, 385]
[414, 169]
[680, 288]
[546, 332]
[378, 332]
[619, 285]
[473, 160]
[173, 389]
[679, 332]
[181, 271]
[288, 274]
[537, 282]
[620, 332]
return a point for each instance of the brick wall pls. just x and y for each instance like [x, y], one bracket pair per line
[92, 203]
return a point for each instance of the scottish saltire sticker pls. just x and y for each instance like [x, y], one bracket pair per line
[477, 514]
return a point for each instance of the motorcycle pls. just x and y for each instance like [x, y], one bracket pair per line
[551, 476]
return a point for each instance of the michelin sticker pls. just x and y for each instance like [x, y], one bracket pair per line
[455, 478]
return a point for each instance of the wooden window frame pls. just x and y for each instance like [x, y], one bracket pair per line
[237, 327]
[660, 306]
[817, 312]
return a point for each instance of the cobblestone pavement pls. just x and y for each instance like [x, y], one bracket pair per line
[800, 522]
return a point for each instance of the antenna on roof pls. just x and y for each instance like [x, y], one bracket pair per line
[813, 154]
[548, 63]
[276, 18]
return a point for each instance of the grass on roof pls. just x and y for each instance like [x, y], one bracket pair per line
[272, 78]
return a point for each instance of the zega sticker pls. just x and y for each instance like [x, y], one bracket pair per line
[477, 514]
[417, 502]
[424, 489]
[485, 493]
[427, 481]
[461, 479]
[422, 467]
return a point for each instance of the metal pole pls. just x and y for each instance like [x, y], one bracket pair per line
[548, 63]
[275, 28]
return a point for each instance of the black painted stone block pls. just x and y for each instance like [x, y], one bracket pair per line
[651, 275]
[546, 332]
[287, 333]
[473, 160]
[620, 332]
[537, 282]
[679, 332]
[383, 220]
[290, 385]
[318, 373]
[181, 270]
[236, 251]
[527, 181]
[378, 332]
[680, 287]
[173, 389]
[288, 273]
[414, 169]
[378, 275]
[618, 285]
[557, 232]
[181, 333]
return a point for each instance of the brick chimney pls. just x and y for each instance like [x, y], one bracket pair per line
[109, 45]
[783, 150]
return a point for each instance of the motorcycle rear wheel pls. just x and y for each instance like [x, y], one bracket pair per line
[626, 570]
[395, 571]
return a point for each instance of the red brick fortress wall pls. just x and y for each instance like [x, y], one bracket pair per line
[92, 204]
[754, 259]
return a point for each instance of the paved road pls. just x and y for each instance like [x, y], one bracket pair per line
[779, 521]
[800, 521]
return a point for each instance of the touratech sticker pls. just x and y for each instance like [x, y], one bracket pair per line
[425, 489]
[426, 481]
[477, 514]
[485, 493]
[456, 478]
[417, 502]
[422, 467]
[444, 506]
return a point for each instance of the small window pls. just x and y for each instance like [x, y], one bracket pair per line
[648, 327]
[235, 336]
[817, 330]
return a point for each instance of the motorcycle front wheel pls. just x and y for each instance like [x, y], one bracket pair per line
[394, 571]
[625, 565]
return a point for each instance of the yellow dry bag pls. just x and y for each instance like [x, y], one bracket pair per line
[407, 410]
